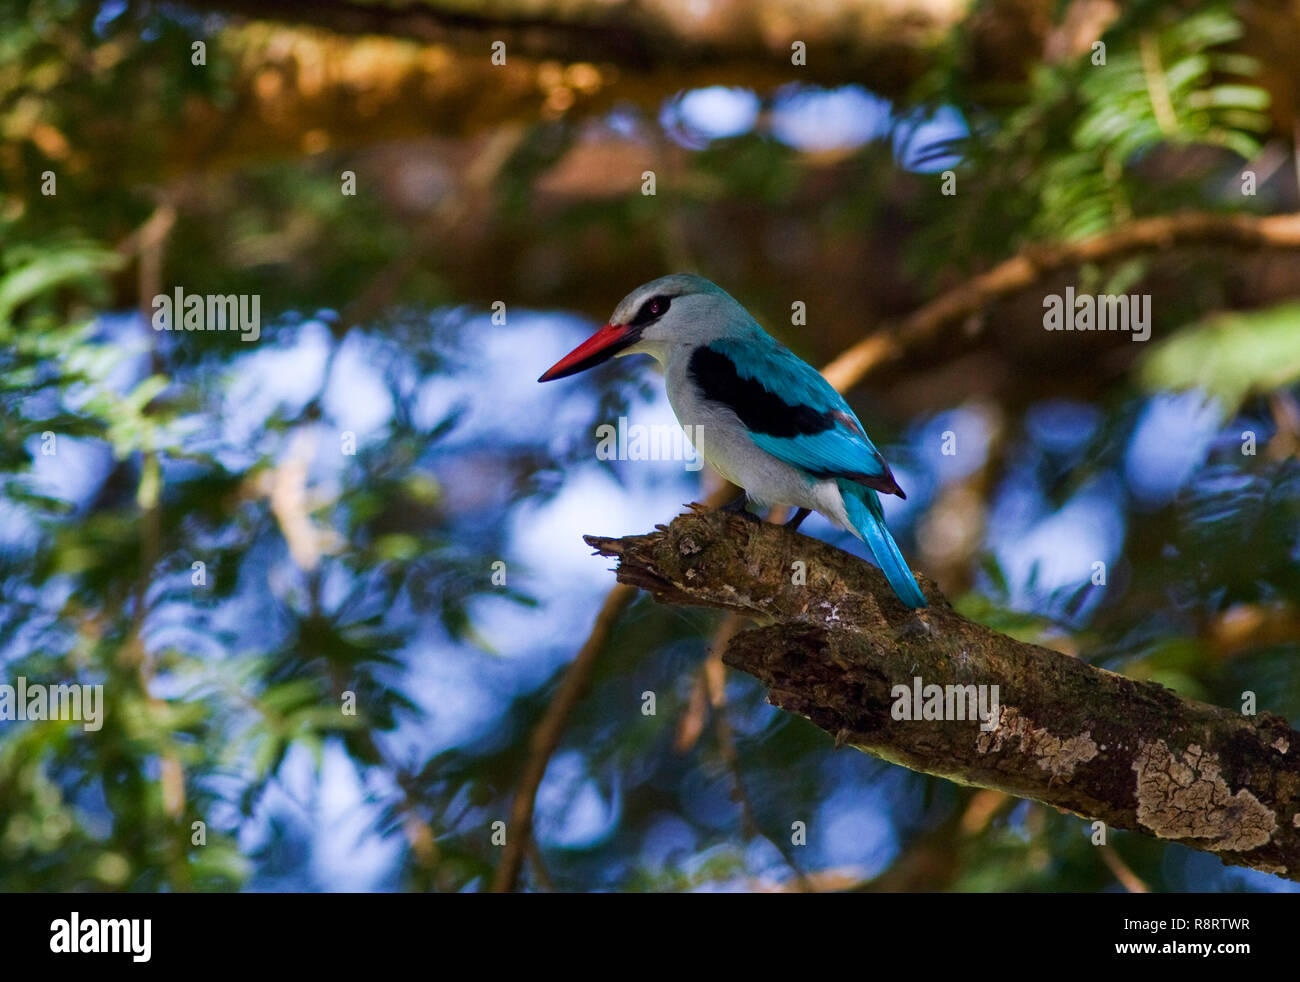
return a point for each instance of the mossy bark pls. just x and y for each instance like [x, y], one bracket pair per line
[834, 643]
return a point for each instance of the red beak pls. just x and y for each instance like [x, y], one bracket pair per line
[601, 346]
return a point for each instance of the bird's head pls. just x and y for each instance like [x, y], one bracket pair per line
[672, 310]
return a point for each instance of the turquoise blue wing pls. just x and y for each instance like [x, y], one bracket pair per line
[792, 413]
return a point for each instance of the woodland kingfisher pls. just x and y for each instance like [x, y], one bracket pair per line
[763, 418]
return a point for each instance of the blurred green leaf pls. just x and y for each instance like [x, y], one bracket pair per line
[1230, 356]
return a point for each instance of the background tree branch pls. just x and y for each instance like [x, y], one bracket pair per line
[1131, 753]
[884, 45]
[1037, 261]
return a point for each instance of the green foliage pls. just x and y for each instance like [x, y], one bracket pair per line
[1230, 356]
[1073, 156]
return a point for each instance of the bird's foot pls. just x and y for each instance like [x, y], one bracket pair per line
[797, 519]
[736, 506]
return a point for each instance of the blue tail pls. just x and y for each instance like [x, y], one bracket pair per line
[864, 511]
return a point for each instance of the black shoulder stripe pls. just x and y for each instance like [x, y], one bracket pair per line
[760, 410]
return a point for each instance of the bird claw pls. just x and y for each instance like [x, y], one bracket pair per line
[737, 506]
[797, 519]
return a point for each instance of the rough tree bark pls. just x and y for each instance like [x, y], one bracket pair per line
[1131, 753]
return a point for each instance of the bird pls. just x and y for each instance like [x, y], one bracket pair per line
[763, 418]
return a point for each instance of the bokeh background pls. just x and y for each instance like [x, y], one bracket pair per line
[521, 185]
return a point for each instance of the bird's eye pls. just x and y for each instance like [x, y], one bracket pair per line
[651, 309]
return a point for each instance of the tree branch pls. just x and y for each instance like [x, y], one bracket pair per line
[1130, 753]
[547, 737]
[1036, 262]
[884, 45]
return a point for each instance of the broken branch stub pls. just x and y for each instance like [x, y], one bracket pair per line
[936, 692]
